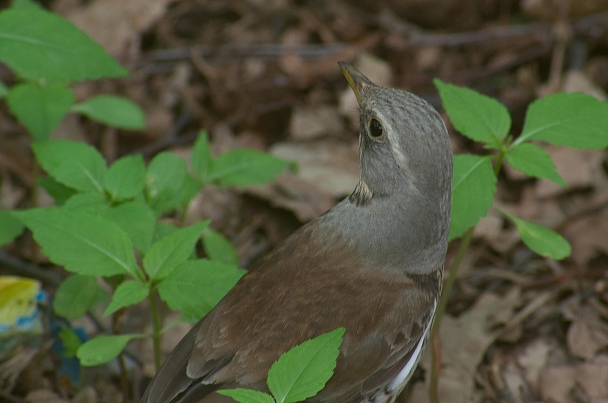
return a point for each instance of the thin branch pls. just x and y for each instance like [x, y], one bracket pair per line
[18, 267]
[267, 51]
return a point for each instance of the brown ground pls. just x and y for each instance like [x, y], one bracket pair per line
[263, 74]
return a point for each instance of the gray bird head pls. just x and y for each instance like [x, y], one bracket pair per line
[404, 194]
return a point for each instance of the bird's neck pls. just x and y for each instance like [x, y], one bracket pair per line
[398, 231]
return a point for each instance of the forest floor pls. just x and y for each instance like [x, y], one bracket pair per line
[264, 75]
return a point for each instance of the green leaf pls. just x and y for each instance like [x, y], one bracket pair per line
[127, 293]
[201, 159]
[103, 348]
[476, 116]
[75, 296]
[39, 108]
[137, 219]
[196, 286]
[541, 239]
[90, 202]
[163, 229]
[219, 248]
[473, 188]
[83, 243]
[174, 249]
[73, 164]
[244, 167]
[39, 45]
[58, 191]
[305, 369]
[71, 341]
[567, 119]
[164, 179]
[534, 161]
[10, 227]
[113, 111]
[247, 395]
[126, 178]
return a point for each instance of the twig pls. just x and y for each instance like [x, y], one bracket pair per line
[19, 267]
[272, 51]
[156, 324]
[592, 25]
[581, 214]
[529, 309]
[562, 34]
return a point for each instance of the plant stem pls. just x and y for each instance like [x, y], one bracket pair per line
[156, 333]
[447, 290]
[499, 159]
[441, 307]
[124, 379]
[117, 329]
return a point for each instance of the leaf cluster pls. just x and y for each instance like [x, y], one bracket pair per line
[567, 119]
[47, 53]
[107, 224]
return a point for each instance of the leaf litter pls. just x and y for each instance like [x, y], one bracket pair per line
[264, 74]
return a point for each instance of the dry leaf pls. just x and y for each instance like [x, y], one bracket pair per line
[577, 81]
[329, 164]
[587, 334]
[464, 342]
[490, 228]
[303, 198]
[308, 122]
[577, 167]
[117, 24]
[44, 396]
[522, 372]
[588, 236]
[592, 377]
[555, 384]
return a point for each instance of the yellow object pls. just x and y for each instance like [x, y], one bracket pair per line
[18, 297]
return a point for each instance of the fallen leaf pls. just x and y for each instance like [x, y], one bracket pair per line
[116, 24]
[556, 383]
[464, 341]
[588, 333]
[309, 122]
[577, 167]
[44, 396]
[592, 376]
[305, 199]
[331, 165]
[533, 358]
[577, 81]
[588, 236]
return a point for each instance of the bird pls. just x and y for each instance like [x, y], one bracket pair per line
[372, 264]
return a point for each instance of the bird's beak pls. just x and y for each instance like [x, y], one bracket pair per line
[358, 82]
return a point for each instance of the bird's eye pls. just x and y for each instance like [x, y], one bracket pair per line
[375, 128]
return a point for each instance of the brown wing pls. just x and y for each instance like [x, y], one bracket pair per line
[295, 295]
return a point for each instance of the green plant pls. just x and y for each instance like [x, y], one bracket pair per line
[299, 373]
[106, 216]
[47, 53]
[566, 119]
[107, 226]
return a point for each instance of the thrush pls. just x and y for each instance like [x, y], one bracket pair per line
[372, 264]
